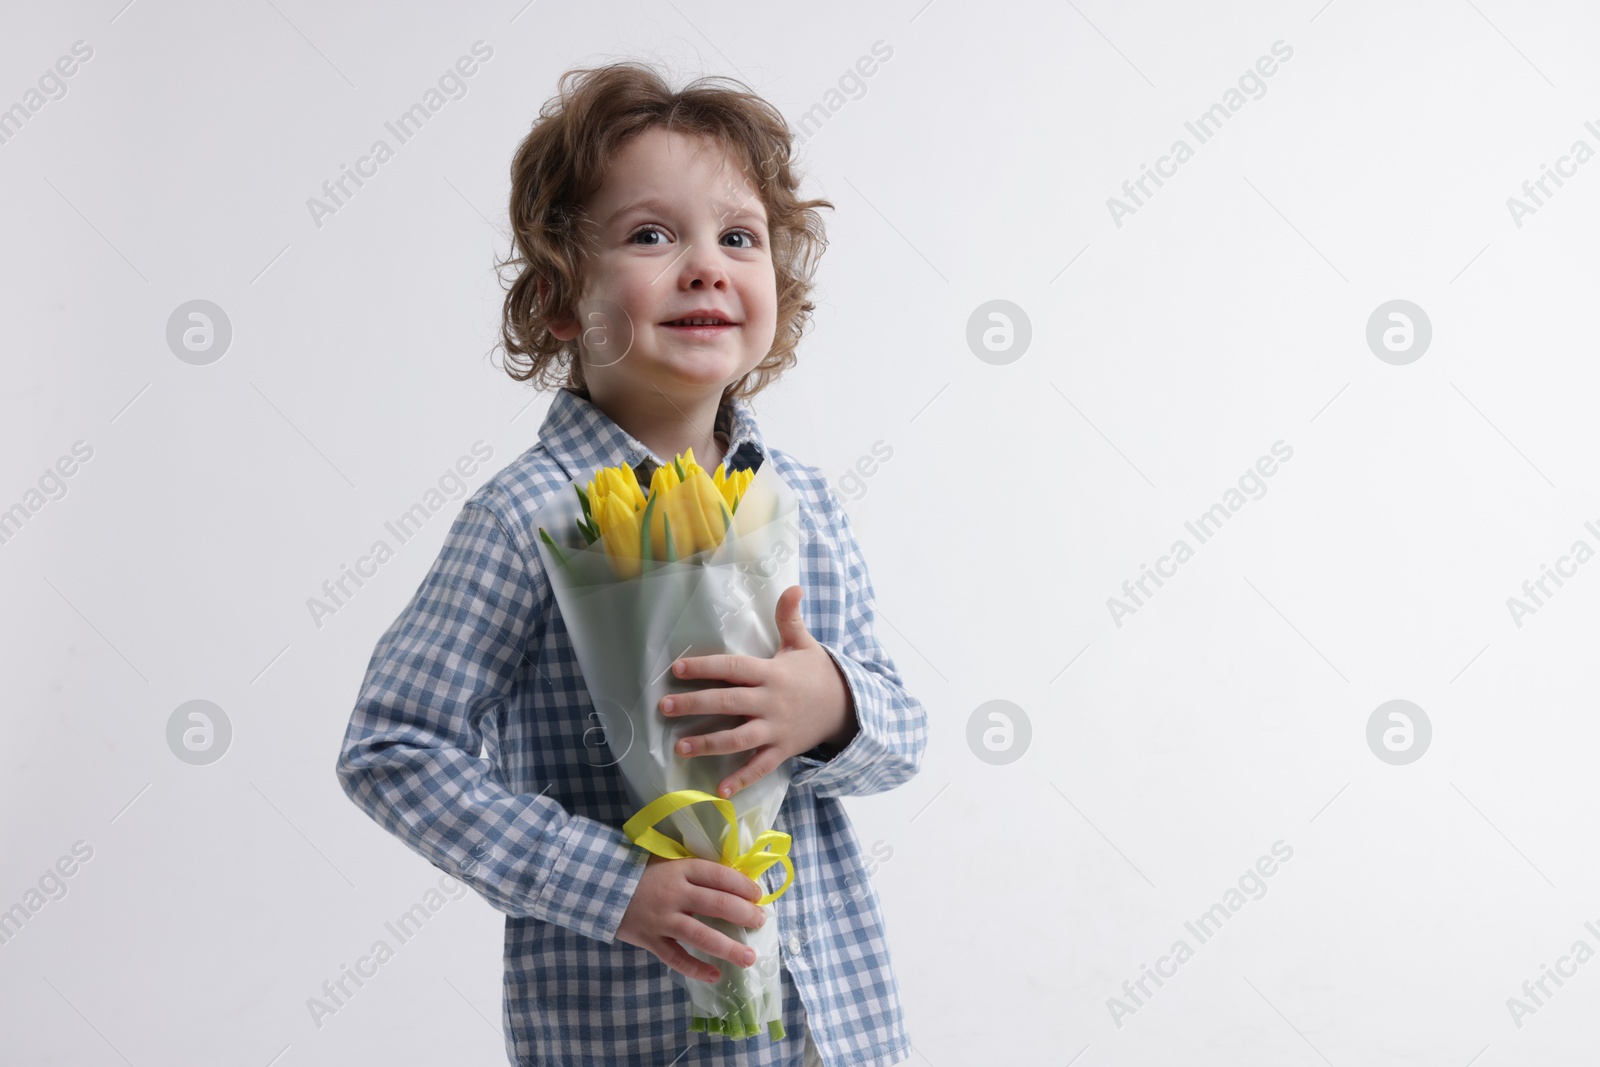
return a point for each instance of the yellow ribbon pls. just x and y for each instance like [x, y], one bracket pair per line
[771, 846]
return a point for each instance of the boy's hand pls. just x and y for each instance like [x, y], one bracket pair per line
[795, 701]
[661, 916]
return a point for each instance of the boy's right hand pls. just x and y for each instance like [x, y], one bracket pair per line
[669, 896]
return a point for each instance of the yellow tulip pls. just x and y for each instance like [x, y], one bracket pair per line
[617, 482]
[619, 528]
[697, 506]
[696, 511]
[664, 478]
[714, 506]
[732, 486]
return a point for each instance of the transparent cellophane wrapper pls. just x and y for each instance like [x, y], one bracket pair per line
[626, 634]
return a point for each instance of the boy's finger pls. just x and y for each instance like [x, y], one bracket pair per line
[740, 670]
[687, 930]
[714, 875]
[723, 700]
[673, 955]
[741, 738]
[762, 764]
[729, 906]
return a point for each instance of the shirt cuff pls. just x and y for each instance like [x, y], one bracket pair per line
[596, 872]
[816, 768]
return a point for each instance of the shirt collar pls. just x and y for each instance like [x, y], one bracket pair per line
[582, 438]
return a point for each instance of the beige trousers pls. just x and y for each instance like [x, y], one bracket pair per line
[812, 1057]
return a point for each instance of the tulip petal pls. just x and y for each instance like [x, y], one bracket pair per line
[688, 509]
[708, 507]
[621, 534]
[664, 478]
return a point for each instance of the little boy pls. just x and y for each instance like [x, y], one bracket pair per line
[665, 263]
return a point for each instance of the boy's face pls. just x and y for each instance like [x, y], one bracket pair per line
[699, 246]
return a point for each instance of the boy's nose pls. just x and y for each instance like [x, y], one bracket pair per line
[702, 267]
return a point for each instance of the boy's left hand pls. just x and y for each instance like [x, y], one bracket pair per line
[795, 701]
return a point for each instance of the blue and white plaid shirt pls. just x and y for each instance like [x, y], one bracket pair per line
[480, 660]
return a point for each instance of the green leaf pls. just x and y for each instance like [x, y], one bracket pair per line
[584, 499]
[644, 530]
[677, 465]
[553, 547]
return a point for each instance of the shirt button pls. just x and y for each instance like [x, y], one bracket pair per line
[794, 945]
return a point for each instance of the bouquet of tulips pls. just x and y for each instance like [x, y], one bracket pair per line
[693, 568]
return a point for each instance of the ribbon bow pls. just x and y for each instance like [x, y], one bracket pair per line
[771, 846]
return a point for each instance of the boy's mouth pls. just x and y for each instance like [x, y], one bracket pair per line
[708, 325]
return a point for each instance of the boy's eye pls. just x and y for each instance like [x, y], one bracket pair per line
[651, 228]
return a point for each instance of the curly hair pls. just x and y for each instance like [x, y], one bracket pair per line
[563, 161]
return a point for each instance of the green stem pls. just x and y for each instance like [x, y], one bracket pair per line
[741, 1022]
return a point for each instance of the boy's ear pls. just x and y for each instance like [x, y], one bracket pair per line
[562, 329]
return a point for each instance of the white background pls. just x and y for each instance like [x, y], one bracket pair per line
[1167, 354]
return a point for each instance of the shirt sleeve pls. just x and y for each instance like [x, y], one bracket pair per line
[410, 758]
[892, 726]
